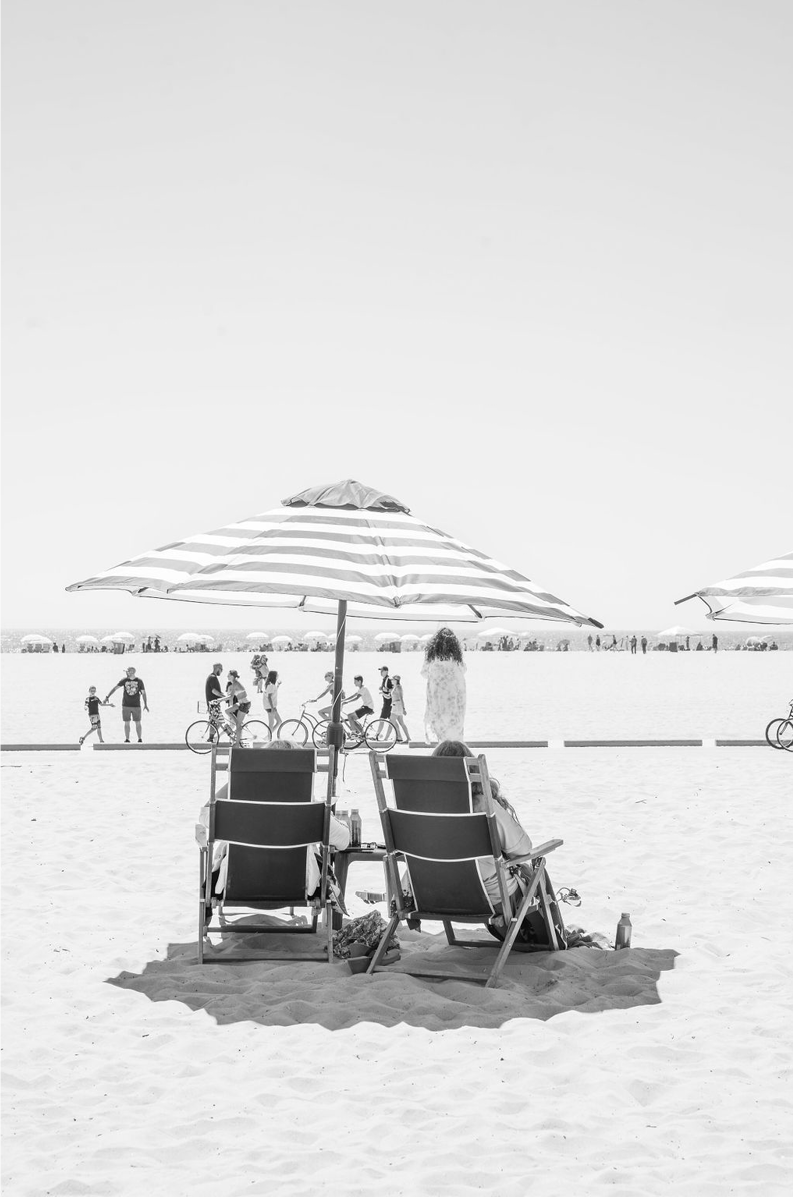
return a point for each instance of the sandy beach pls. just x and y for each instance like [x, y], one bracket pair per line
[131, 1070]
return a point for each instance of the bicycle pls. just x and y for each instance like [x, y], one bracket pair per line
[779, 732]
[377, 734]
[300, 730]
[219, 728]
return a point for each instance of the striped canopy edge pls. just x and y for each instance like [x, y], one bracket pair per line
[761, 595]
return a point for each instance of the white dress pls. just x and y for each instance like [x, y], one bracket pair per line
[444, 717]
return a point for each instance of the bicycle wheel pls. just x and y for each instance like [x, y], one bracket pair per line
[320, 734]
[772, 730]
[199, 736]
[254, 732]
[784, 735]
[294, 730]
[381, 735]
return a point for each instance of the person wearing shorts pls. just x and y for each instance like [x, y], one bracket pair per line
[134, 690]
[92, 705]
[386, 690]
[363, 697]
[237, 699]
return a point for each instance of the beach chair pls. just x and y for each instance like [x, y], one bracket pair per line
[266, 815]
[441, 849]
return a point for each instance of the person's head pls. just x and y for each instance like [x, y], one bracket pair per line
[444, 646]
[131, 671]
[396, 679]
[272, 676]
[358, 679]
[384, 670]
[282, 744]
[234, 675]
[329, 676]
[217, 668]
[452, 748]
[92, 690]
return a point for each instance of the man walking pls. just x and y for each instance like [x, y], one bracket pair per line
[644, 644]
[714, 644]
[386, 687]
[633, 643]
[134, 690]
[213, 695]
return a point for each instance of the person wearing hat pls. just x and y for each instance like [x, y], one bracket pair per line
[386, 690]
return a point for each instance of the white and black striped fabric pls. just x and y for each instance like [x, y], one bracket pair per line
[763, 595]
[340, 542]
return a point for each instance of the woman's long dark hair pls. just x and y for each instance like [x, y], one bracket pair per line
[458, 748]
[272, 676]
[444, 646]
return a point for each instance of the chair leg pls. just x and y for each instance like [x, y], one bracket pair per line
[329, 930]
[449, 930]
[381, 948]
[512, 931]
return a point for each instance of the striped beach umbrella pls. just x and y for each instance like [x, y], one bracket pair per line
[762, 595]
[343, 548]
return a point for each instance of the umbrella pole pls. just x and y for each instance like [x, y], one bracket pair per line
[335, 729]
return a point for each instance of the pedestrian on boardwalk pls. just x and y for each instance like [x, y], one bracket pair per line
[644, 644]
[92, 705]
[398, 710]
[386, 689]
[633, 643]
[271, 688]
[444, 716]
[597, 642]
[589, 642]
[134, 689]
[714, 644]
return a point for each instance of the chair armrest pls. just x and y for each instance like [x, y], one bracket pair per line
[540, 850]
[201, 835]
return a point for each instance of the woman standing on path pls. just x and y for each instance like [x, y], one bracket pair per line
[398, 712]
[444, 717]
[271, 688]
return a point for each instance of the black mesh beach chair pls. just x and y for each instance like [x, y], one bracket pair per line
[266, 815]
[441, 849]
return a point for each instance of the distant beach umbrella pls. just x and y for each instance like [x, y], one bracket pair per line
[342, 548]
[283, 639]
[87, 639]
[35, 638]
[427, 637]
[258, 637]
[204, 638]
[353, 639]
[125, 638]
[762, 595]
[383, 637]
[494, 634]
[315, 636]
[409, 636]
[675, 631]
[189, 638]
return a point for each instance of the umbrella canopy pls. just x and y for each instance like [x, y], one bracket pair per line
[87, 639]
[258, 636]
[353, 639]
[341, 542]
[283, 639]
[126, 637]
[316, 636]
[762, 595]
[188, 637]
[409, 636]
[35, 638]
[677, 630]
[494, 634]
[385, 637]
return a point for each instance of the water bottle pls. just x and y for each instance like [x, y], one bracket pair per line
[624, 929]
[355, 828]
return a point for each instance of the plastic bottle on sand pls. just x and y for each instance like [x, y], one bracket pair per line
[624, 929]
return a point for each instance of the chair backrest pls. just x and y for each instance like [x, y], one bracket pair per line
[267, 845]
[440, 851]
[272, 775]
[430, 783]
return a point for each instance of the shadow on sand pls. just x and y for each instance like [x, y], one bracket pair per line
[280, 993]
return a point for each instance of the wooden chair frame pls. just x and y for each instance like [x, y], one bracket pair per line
[261, 823]
[471, 834]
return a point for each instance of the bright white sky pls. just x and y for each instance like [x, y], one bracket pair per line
[526, 266]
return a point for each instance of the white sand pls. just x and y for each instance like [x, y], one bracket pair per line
[130, 1070]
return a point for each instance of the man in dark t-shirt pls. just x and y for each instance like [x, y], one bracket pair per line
[134, 690]
[214, 694]
[386, 687]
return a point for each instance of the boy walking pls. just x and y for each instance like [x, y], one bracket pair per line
[92, 705]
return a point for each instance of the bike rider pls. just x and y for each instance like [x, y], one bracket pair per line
[325, 712]
[363, 696]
